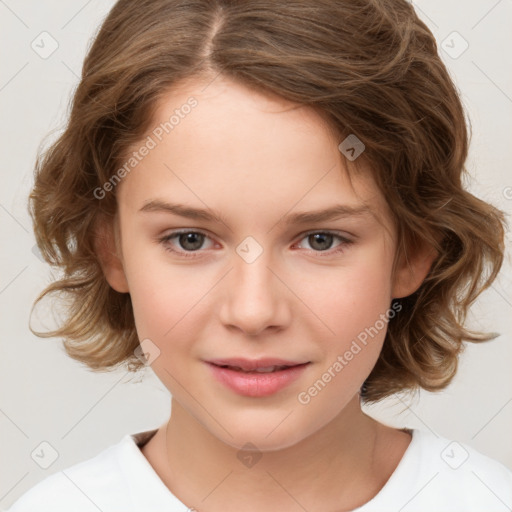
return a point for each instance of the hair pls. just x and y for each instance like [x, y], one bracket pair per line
[369, 67]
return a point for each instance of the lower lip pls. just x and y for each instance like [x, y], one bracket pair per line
[257, 384]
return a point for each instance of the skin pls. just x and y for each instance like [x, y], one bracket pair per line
[255, 159]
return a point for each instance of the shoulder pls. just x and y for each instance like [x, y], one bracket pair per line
[450, 475]
[92, 485]
[455, 457]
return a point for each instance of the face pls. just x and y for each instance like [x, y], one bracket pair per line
[253, 280]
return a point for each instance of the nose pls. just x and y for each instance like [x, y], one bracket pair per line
[255, 298]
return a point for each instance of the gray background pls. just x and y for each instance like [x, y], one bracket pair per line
[47, 397]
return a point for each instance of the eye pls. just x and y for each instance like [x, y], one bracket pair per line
[322, 241]
[189, 242]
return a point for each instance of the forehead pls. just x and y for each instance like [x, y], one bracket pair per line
[223, 146]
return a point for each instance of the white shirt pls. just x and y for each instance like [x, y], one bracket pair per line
[434, 475]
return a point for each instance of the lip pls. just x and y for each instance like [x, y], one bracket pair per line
[255, 384]
[252, 364]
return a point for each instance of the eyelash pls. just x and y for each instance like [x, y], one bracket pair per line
[192, 254]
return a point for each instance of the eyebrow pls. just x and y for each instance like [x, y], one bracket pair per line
[332, 213]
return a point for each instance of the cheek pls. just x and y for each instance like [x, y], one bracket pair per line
[356, 307]
[170, 301]
[164, 302]
[350, 298]
[354, 302]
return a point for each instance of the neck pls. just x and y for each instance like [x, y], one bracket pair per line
[341, 463]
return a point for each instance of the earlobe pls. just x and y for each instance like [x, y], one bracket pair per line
[412, 270]
[109, 255]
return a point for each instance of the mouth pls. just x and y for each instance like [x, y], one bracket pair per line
[263, 369]
[262, 365]
[257, 378]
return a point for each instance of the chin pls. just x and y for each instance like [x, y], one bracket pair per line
[264, 435]
[260, 442]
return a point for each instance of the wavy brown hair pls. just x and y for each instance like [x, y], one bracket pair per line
[369, 67]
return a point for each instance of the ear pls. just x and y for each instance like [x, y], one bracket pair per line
[412, 269]
[108, 250]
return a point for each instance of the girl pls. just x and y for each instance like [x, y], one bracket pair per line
[263, 201]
